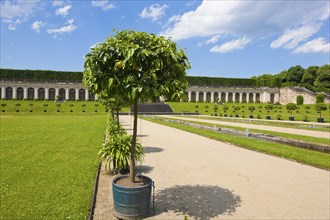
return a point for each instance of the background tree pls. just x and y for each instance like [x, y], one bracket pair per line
[295, 74]
[137, 66]
[310, 75]
[323, 77]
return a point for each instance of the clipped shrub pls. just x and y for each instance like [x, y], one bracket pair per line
[300, 100]
[319, 98]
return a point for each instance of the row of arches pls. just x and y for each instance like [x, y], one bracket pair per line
[30, 93]
[195, 96]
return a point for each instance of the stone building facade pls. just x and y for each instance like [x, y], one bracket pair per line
[75, 91]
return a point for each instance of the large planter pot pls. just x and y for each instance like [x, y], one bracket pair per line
[321, 120]
[268, 117]
[236, 116]
[291, 118]
[251, 116]
[225, 115]
[132, 203]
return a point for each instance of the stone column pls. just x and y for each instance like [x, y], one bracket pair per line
[25, 89]
[254, 97]
[3, 92]
[212, 96]
[226, 97]
[240, 97]
[96, 97]
[14, 92]
[86, 95]
[57, 92]
[36, 93]
[189, 96]
[197, 96]
[46, 93]
[77, 94]
[204, 96]
[276, 97]
[66, 94]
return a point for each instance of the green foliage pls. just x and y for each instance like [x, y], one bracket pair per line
[269, 107]
[288, 84]
[251, 108]
[300, 100]
[319, 98]
[116, 149]
[215, 81]
[295, 74]
[40, 75]
[310, 75]
[323, 77]
[291, 107]
[319, 107]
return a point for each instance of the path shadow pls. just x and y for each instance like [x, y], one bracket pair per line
[197, 201]
[142, 135]
[143, 169]
[148, 150]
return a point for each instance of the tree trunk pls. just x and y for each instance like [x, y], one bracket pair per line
[132, 160]
[117, 116]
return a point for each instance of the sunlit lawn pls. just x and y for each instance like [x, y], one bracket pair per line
[48, 165]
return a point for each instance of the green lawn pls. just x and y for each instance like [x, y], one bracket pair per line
[207, 109]
[48, 165]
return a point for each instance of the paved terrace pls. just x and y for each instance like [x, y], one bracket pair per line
[208, 179]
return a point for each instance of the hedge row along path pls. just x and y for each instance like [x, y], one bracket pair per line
[204, 178]
[311, 133]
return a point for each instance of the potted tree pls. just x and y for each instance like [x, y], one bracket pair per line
[196, 107]
[31, 105]
[83, 107]
[251, 108]
[3, 105]
[268, 108]
[319, 107]
[138, 67]
[236, 108]
[96, 105]
[71, 107]
[17, 106]
[291, 107]
[215, 109]
[45, 107]
[58, 106]
[225, 109]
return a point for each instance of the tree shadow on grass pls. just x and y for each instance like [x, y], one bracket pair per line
[197, 201]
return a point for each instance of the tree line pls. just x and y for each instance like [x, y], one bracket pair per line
[314, 78]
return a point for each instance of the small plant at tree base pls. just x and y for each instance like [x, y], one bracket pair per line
[83, 107]
[260, 108]
[251, 109]
[96, 105]
[196, 107]
[279, 116]
[305, 117]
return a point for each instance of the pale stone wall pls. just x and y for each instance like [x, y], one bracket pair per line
[288, 95]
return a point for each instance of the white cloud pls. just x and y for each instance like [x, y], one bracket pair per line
[104, 4]
[64, 11]
[66, 29]
[17, 12]
[154, 12]
[231, 45]
[246, 18]
[37, 25]
[213, 39]
[12, 25]
[318, 45]
[292, 37]
[58, 3]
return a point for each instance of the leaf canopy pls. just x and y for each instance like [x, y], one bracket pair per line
[136, 66]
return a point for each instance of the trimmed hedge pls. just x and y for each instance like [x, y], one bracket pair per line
[46, 75]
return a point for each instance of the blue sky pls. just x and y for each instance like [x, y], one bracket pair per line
[221, 38]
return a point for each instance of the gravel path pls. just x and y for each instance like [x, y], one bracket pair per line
[311, 133]
[207, 179]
